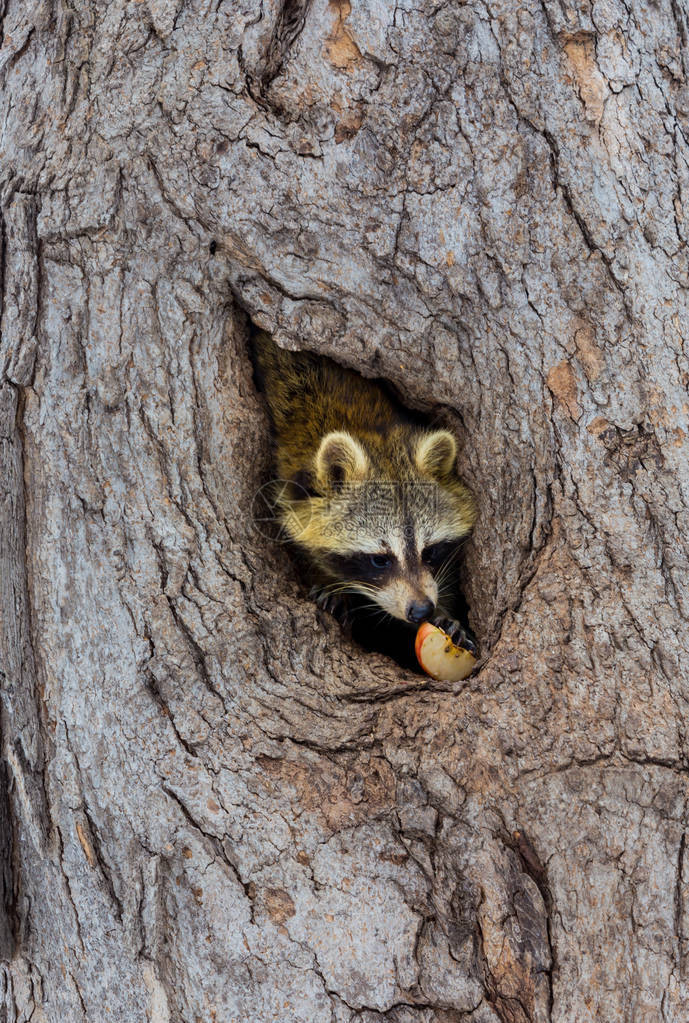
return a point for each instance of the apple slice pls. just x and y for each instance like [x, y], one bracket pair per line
[439, 657]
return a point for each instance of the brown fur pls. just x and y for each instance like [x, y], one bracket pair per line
[344, 441]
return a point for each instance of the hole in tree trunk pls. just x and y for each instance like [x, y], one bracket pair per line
[378, 540]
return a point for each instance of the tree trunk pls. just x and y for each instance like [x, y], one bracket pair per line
[220, 809]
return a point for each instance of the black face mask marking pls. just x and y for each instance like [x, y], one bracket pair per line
[411, 555]
[436, 554]
[362, 567]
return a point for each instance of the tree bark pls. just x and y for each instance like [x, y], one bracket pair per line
[218, 808]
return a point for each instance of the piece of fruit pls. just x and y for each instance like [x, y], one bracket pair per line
[439, 657]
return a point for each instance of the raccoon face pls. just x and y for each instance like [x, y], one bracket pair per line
[406, 584]
[386, 522]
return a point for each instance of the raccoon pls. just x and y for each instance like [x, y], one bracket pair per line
[368, 498]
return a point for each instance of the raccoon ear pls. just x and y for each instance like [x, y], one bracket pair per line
[435, 453]
[339, 459]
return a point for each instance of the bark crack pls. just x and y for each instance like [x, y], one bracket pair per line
[217, 849]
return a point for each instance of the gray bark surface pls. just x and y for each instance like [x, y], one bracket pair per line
[219, 809]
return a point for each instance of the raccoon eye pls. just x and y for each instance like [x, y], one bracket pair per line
[380, 561]
[435, 554]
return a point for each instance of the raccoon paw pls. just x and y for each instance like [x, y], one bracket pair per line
[459, 634]
[333, 603]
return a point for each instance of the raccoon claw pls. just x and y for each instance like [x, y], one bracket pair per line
[331, 603]
[326, 602]
[459, 635]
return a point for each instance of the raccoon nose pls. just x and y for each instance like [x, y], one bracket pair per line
[419, 610]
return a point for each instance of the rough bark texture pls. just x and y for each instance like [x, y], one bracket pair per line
[220, 809]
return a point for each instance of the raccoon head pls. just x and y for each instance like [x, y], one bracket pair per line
[384, 516]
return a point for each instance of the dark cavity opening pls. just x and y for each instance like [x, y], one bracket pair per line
[361, 617]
